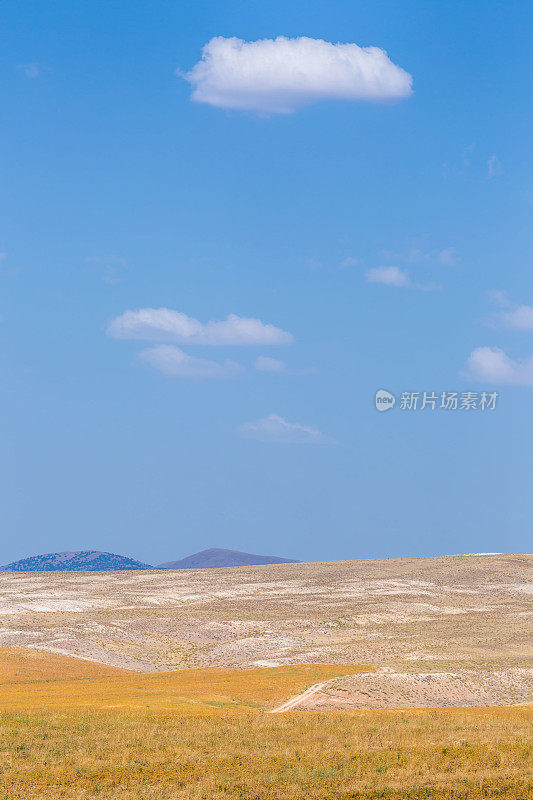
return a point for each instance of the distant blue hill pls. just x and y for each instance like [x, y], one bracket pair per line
[97, 561]
[216, 557]
[81, 561]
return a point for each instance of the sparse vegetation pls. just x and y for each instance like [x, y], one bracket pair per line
[420, 614]
[420, 755]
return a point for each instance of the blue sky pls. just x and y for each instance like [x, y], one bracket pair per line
[388, 240]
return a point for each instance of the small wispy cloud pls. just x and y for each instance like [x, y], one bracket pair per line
[350, 261]
[514, 316]
[494, 365]
[111, 275]
[415, 256]
[112, 267]
[473, 159]
[398, 278]
[389, 276]
[279, 76]
[31, 70]
[174, 363]
[274, 428]
[519, 318]
[494, 167]
[499, 298]
[448, 256]
[463, 163]
[273, 365]
[168, 325]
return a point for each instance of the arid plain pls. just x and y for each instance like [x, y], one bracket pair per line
[433, 631]
[396, 680]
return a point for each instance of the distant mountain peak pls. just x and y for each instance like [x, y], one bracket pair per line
[216, 557]
[75, 561]
[99, 561]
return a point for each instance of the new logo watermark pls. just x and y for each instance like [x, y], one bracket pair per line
[384, 400]
[433, 401]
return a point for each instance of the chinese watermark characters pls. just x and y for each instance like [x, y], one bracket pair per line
[437, 401]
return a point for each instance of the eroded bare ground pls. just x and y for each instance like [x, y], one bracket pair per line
[463, 687]
[466, 615]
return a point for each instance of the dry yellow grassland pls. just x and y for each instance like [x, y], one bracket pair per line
[26, 665]
[454, 754]
[58, 683]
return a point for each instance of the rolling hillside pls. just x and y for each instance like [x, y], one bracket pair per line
[217, 557]
[80, 561]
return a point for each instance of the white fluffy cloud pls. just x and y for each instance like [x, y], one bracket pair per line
[273, 428]
[494, 365]
[167, 325]
[390, 276]
[174, 363]
[280, 75]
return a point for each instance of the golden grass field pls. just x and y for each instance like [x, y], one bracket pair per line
[73, 729]
[57, 683]
[435, 755]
